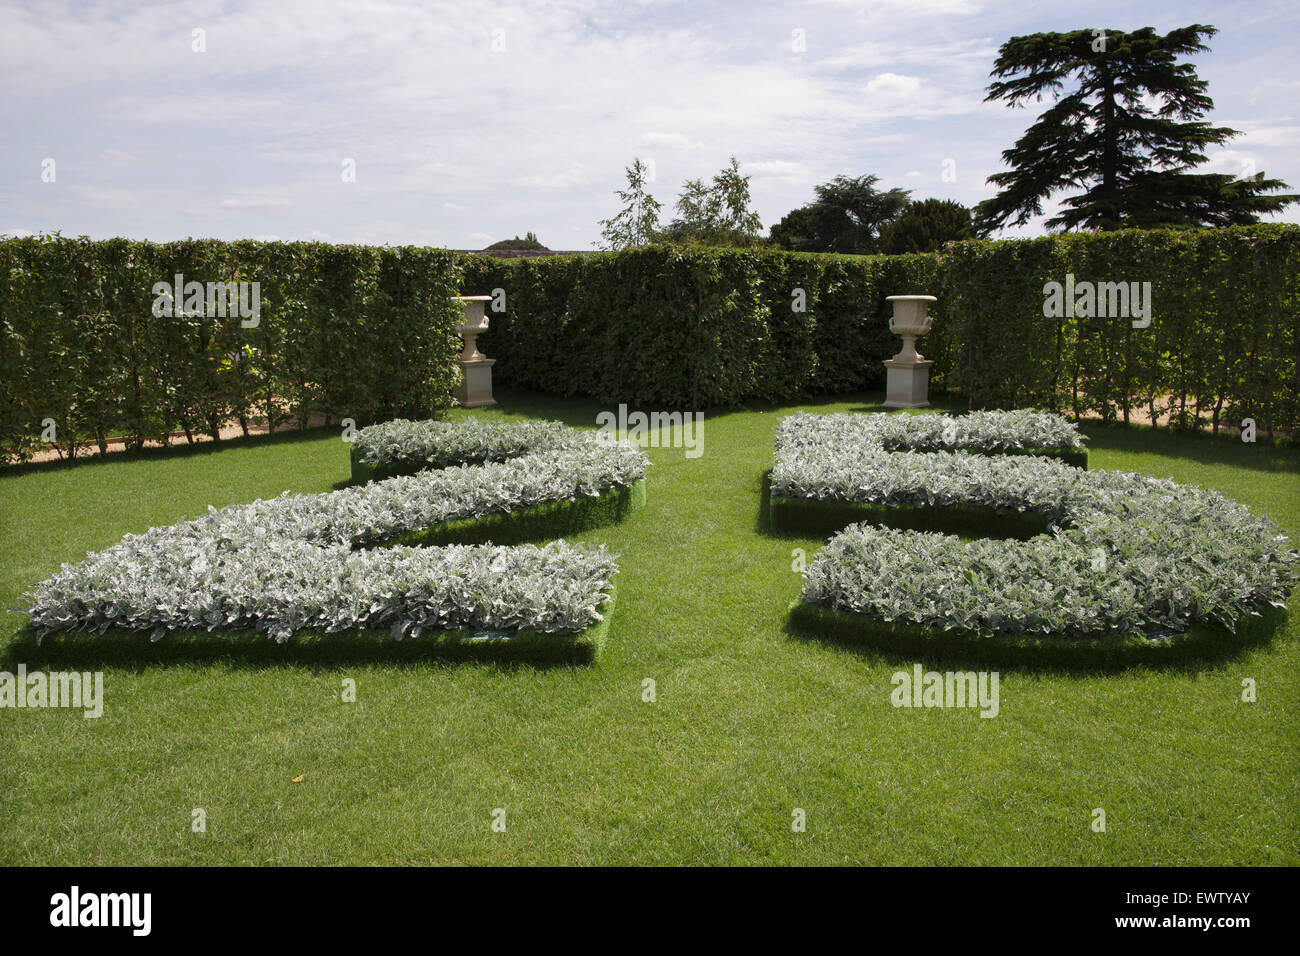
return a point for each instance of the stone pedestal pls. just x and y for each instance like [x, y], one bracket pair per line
[475, 388]
[907, 384]
[907, 376]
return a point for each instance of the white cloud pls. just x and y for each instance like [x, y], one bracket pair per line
[254, 203]
[670, 140]
[1234, 162]
[1271, 89]
[1276, 132]
[923, 6]
[552, 180]
[776, 169]
[893, 86]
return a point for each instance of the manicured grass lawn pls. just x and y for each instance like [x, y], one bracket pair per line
[751, 720]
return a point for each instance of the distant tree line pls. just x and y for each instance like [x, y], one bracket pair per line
[1125, 126]
[848, 215]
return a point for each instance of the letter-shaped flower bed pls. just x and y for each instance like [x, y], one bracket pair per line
[1102, 552]
[308, 562]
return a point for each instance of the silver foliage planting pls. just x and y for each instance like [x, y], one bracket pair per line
[1124, 552]
[288, 563]
[438, 444]
[1021, 430]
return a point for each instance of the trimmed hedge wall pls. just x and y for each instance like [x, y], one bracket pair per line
[346, 331]
[366, 333]
[695, 327]
[1222, 345]
[688, 326]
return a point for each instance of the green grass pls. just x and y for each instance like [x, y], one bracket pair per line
[754, 716]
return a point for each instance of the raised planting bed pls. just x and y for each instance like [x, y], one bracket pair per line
[1064, 552]
[405, 447]
[345, 560]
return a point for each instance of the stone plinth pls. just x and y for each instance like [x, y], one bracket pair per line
[475, 388]
[907, 384]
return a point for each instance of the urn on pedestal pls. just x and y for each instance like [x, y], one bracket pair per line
[907, 382]
[475, 388]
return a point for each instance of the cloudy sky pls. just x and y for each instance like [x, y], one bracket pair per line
[466, 122]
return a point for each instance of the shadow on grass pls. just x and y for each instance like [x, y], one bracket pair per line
[1201, 447]
[132, 651]
[802, 519]
[1200, 649]
[581, 411]
[763, 524]
[947, 404]
[198, 449]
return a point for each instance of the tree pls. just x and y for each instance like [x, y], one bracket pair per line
[846, 216]
[638, 221]
[1127, 135]
[926, 226]
[528, 242]
[717, 214]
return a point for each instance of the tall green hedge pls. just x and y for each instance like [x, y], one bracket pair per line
[346, 331]
[1222, 344]
[687, 326]
[684, 326]
[367, 333]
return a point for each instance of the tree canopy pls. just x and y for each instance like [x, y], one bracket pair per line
[926, 226]
[528, 242]
[637, 223]
[847, 216]
[1125, 126]
[717, 213]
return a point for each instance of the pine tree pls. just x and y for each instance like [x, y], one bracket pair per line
[1127, 134]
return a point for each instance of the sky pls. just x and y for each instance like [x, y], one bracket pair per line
[457, 124]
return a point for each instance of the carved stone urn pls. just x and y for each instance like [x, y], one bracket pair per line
[907, 379]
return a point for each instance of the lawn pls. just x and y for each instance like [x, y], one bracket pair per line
[751, 719]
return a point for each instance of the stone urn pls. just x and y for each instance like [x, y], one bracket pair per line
[475, 388]
[907, 383]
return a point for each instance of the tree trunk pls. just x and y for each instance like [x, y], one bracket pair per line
[1109, 157]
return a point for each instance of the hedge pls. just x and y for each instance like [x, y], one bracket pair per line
[684, 326]
[365, 333]
[1222, 344]
[694, 327]
[344, 331]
